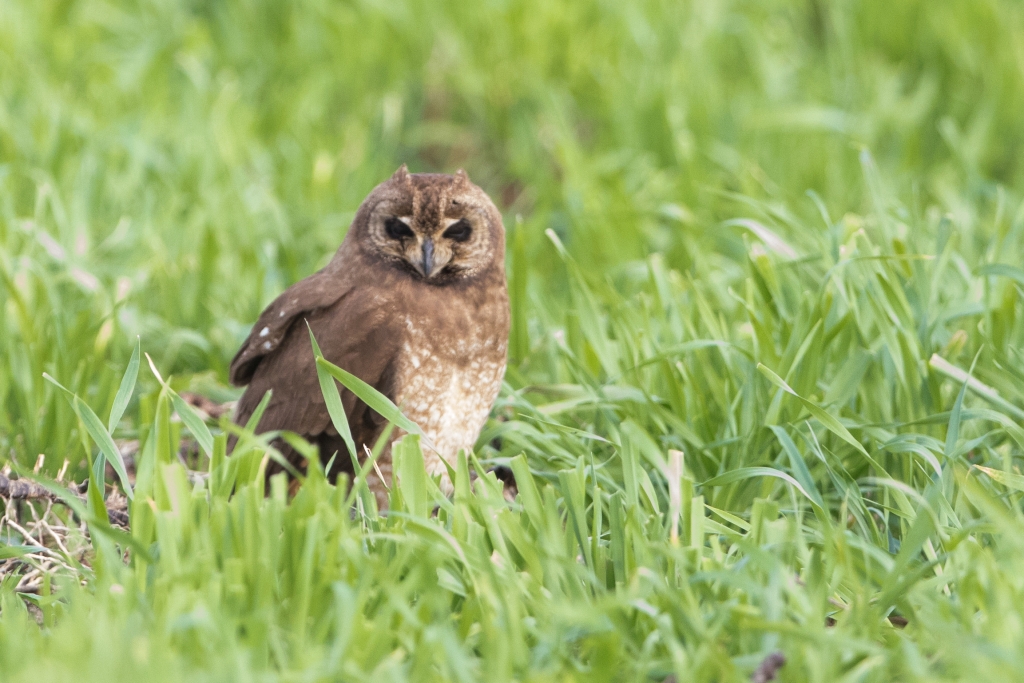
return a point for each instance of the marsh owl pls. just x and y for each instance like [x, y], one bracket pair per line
[414, 303]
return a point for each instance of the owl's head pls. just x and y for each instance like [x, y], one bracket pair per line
[438, 228]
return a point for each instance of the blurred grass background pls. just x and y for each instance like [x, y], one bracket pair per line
[831, 190]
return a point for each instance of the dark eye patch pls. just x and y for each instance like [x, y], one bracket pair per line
[397, 229]
[459, 232]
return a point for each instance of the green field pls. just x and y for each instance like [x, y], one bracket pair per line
[785, 238]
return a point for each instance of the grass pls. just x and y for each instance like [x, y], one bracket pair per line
[783, 238]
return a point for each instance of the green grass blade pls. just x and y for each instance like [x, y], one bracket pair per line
[332, 398]
[1008, 479]
[124, 391]
[377, 401]
[944, 367]
[8, 552]
[254, 420]
[194, 423]
[796, 461]
[412, 475]
[744, 473]
[1002, 270]
[187, 414]
[828, 421]
[98, 433]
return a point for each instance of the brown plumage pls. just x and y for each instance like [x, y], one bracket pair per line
[414, 303]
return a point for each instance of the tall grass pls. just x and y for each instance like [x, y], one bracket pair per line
[783, 238]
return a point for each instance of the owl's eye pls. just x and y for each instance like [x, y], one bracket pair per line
[396, 229]
[459, 232]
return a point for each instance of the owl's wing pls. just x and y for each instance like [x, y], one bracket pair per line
[319, 290]
[352, 331]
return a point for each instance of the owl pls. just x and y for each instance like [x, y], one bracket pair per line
[414, 302]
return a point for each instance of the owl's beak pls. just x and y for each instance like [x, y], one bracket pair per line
[428, 257]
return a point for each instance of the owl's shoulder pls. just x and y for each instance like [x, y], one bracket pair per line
[319, 291]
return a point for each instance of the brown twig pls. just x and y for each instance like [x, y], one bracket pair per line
[20, 489]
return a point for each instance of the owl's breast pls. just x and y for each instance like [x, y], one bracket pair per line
[447, 384]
